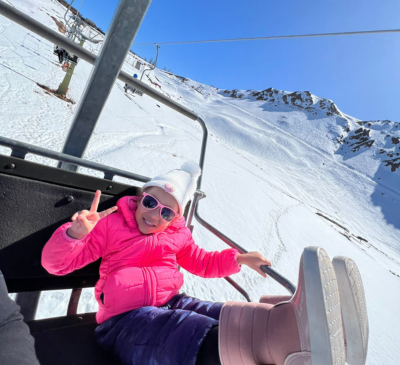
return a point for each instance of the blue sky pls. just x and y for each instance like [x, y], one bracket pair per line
[359, 73]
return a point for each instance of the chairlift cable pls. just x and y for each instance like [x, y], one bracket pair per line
[275, 37]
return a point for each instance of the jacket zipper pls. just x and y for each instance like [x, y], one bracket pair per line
[149, 276]
[150, 286]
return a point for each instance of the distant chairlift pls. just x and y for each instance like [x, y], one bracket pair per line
[138, 66]
[129, 89]
[64, 56]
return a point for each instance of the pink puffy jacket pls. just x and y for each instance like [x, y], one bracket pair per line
[136, 270]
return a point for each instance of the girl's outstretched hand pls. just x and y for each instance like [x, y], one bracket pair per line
[84, 221]
[253, 260]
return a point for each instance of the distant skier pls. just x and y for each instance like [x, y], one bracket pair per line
[61, 53]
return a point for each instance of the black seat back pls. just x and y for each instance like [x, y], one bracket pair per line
[68, 340]
[34, 201]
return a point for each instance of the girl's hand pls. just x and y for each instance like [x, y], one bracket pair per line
[84, 221]
[253, 260]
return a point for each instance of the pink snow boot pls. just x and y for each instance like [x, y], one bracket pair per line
[305, 330]
[353, 304]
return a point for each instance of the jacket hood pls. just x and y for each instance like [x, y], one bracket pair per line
[127, 207]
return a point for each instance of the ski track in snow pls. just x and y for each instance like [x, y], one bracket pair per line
[282, 247]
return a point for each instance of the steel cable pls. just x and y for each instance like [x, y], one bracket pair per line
[275, 37]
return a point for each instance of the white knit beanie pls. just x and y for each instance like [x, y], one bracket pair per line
[181, 184]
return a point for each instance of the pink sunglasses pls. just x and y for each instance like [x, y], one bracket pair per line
[151, 203]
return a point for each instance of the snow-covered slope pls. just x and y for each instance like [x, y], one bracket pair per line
[284, 170]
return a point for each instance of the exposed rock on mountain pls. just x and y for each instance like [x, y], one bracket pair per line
[298, 99]
[358, 139]
[351, 137]
[385, 135]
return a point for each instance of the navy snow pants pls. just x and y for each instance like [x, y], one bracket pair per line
[182, 332]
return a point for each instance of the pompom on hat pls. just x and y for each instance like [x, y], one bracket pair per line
[181, 184]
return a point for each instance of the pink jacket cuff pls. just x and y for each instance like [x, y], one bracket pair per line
[64, 229]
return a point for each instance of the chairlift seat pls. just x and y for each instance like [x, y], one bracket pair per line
[72, 58]
[129, 88]
[132, 90]
[68, 340]
[64, 55]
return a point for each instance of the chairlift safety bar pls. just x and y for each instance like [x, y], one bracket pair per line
[287, 284]
[266, 269]
[20, 149]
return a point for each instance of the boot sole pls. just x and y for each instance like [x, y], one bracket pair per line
[354, 310]
[323, 308]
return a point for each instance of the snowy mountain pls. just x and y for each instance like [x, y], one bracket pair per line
[283, 170]
[351, 136]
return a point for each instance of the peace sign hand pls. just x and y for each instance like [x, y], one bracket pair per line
[84, 221]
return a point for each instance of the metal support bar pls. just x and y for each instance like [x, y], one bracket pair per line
[108, 171]
[29, 302]
[74, 301]
[197, 196]
[19, 153]
[217, 233]
[108, 176]
[68, 9]
[238, 288]
[203, 150]
[124, 26]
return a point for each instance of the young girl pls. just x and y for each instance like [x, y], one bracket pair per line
[141, 246]
[143, 319]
